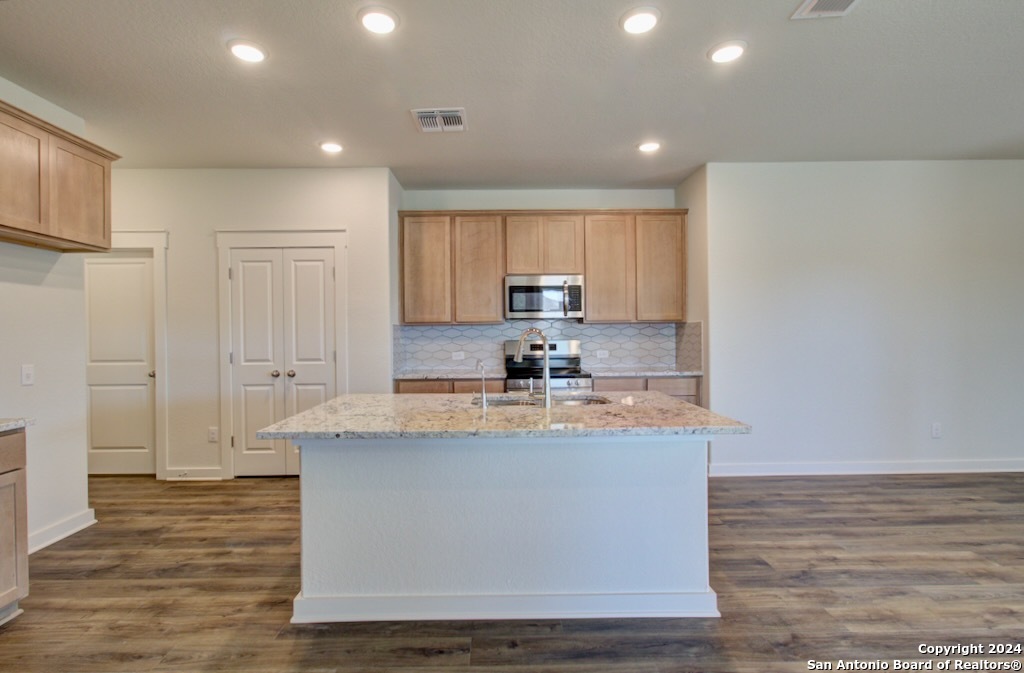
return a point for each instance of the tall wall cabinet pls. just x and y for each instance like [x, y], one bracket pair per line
[54, 186]
[13, 524]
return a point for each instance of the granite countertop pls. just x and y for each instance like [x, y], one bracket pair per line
[416, 374]
[639, 372]
[598, 372]
[8, 424]
[424, 416]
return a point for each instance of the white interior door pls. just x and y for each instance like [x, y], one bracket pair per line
[282, 327]
[119, 368]
[308, 334]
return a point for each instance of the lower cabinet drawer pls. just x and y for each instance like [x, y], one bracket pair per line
[447, 386]
[12, 451]
[674, 386]
[470, 386]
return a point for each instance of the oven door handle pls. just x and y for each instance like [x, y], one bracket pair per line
[565, 298]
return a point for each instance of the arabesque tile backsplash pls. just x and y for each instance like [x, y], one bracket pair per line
[640, 346]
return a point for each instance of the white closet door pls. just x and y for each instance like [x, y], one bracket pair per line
[282, 326]
[119, 367]
[309, 324]
[257, 348]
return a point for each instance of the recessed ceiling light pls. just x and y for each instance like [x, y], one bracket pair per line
[640, 19]
[330, 148]
[378, 20]
[727, 51]
[247, 51]
[649, 147]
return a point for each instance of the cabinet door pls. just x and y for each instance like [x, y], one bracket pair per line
[479, 269]
[538, 244]
[610, 244]
[79, 194]
[24, 160]
[563, 244]
[13, 538]
[524, 243]
[426, 269]
[660, 268]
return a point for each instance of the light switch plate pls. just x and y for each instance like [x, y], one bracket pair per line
[28, 375]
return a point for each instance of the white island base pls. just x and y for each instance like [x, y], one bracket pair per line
[504, 528]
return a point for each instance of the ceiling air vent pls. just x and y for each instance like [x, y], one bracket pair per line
[823, 9]
[436, 120]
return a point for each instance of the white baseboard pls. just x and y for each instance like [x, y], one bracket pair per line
[60, 530]
[866, 467]
[308, 610]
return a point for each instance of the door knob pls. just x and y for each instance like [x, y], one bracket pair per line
[275, 373]
[291, 373]
[152, 374]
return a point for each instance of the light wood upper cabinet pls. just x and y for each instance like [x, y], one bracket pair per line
[610, 275]
[540, 244]
[453, 262]
[79, 194]
[636, 267]
[426, 250]
[479, 269]
[54, 186]
[452, 268]
[660, 268]
[24, 163]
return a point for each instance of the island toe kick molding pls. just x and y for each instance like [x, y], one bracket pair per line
[504, 528]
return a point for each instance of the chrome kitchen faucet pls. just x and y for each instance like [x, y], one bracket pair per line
[518, 357]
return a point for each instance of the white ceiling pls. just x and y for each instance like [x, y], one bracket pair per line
[556, 94]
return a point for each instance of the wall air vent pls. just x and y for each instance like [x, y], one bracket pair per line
[436, 120]
[823, 9]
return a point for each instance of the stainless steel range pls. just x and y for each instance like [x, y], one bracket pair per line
[564, 357]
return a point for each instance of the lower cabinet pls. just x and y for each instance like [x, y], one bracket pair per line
[447, 385]
[684, 388]
[13, 524]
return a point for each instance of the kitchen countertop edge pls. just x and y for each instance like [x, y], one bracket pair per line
[8, 424]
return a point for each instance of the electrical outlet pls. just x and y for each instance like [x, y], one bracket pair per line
[28, 375]
[459, 355]
[212, 434]
[602, 354]
[936, 430]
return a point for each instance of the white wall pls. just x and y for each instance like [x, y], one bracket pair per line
[42, 304]
[519, 199]
[194, 204]
[852, 305]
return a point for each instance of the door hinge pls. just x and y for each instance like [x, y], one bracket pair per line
[335, 356]
[232, 441]
[231, 357]
[229, 273]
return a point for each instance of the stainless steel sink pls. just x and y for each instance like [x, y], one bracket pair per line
[580, 400]
[524, 401]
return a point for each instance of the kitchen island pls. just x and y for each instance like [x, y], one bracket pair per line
[431, 507]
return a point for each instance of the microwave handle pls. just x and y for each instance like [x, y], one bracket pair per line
[565, 298]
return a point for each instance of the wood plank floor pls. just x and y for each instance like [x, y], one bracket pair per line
[181, 577]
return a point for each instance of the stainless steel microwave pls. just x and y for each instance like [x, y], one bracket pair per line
[543, 297]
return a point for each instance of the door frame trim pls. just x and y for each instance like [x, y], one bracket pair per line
[156, 242]
[301, 238]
